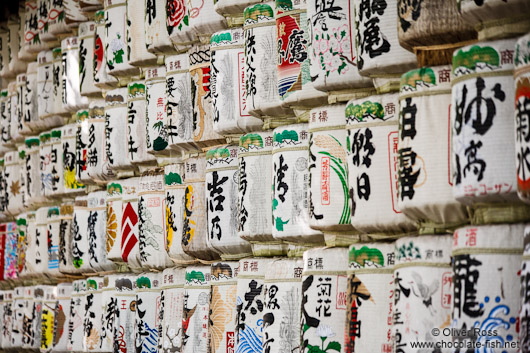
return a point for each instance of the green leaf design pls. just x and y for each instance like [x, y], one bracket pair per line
[334, 345]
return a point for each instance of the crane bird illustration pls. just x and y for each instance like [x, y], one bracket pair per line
[425, 291]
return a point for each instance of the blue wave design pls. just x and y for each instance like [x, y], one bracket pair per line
[491, 323]
[249, 341]
[285, 83]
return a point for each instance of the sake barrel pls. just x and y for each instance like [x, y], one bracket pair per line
[102, 78]
[46, 89]
[32, 41]
[116, 145]
[15, 197]
[295, 84]
[482, 112]
[327, 150]
[324, 298]
[130, 248]
[97, 164]
[254, 191]
[97, 220]
[178, 24]
[424, 149]
[34, 329]
[88, 6]
[29, 268]
[496, 19]
[56, 163]
[66, 261]
[194, 231]
[203, 114]
[173, 291]
[53, 225]
[136, 124]
[62, 317]
[4, 51]
[175, 192]
[70, 82]
[524, 330]
[80, 246]
[156, 117]
[108, 324]
[370, 297]
[223, 306]
[179, 107]
[261, 79]
[125, 317]
[227, 84]
[372, 125]
[422, 287]
[30, 114]
[3, 190]
[23, 54]
[377, 45]
[5, 121]
[156, 30]
[16, 35]
[57, 18]
[22, 244]
[76, 317]
[38, 236]
[86, 59]
[73, 13]
[432, 30]
[17, 320]
[24, 128]
[148, 288]
[48, 318]
[93, 314]
[45, 167]
[522, 117]
[152, 221]
[32, 171]
[58, 87]
[116, 211]
[478, 298]
[138, 54]
[195, 321]
[250, 303]
[7, 318]
[81, 141]
[290, 181]
[69, 160]
[204, 20]
[43, 26]
[333, 54]
[116, 48]
[233, 10]
[2, 307]
[222, 203]
[15, 118]
[22, 176]
[283, 299]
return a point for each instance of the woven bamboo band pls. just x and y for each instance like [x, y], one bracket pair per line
[283, 280]
[158, 192]
[526, 258]
[499, 213]
[289, 149]
[521, 71]
[388, 87]
[199, 66]
[370, 271]
[272, 123]
[250, 277]
[183, 262]
[156, 79]
[223, 283]
[86, 37]
[341, 240]
[115, 5]
[349, 94]
[251, 154]
[121, 105]
[204, 286]
[323, 273]
[487, 251]
[504, 28]
[290, 13]
[147, 290]
[365, 125]
[221, 169]
[389, 236]
[259, 24]
[270, 251]
[234, 20]
[508, 73]
[443, 46]
[327, 128]
[424, 93]
[171, 286]
[422, 264]
[232, 257]
[227, 47]
[176, 72]
[429, 228]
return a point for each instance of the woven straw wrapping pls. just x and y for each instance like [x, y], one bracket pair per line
[152, 221]
[29, 99]
[195, 320]
[116, 144]
[203, 133]
[7, 308]
[156, 32]
[328, 169]
[148, 304]
[485, 267]
[58, 77]
[15, 192]
[227, 84]
[69, 161]
[370, 298]
[173, 292]
[21, 221]
[73, 13]
[62, 315]
[124, 325]
[53, 239]
[16, 33]
[23, 128]
[204, 20]
[295, 84]
[372, 147]
[179, 107]
[17, 321]
[44, 340]
[423, 289]
[71, 95]
[138, 54]
[86, 59]
[14, 108]
[255, 194]
[136, 125]
[45, 88]
[221, 186]
[102, 78]
[77, 313]
[194, 232]
[175, 195]
[281, 313]
[250, 303]
[88, 6]
[108, 320]
[290, 211]
[79, 233]
[32, 41]
[93, 315]
[117, 50]
[430, 23]
[324, 298]
[522, 116]
[524, 313]
[130, 247]
[43, 27]
[223, 306]
[425, 171]
[4, 53]
[333, 53]
[97, 220]
[261, 80]
[482, 113]
[156, 117]
[66, 260]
